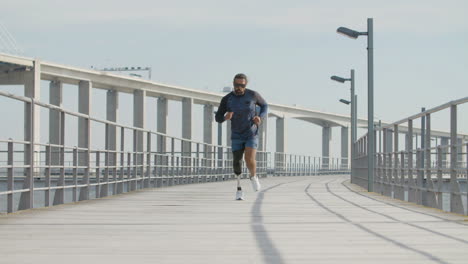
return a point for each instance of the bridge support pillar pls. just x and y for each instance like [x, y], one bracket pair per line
[84, 133]
[208, 124]
[139, 106]
[262, 134]
[280, 134]
[32, 89]
[344, 147]
[459, 149]
[112, 106]
[326, 137]
[444, 141]
[280, 144]
[162, 122]
[388, 140]
[55, 98]
[162, 114]
[208, 133]
[228, 133]
[187, 104]
[55, 136]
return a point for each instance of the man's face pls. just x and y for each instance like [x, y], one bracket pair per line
[239, 86]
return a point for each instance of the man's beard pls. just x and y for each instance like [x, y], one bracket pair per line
[238, 92]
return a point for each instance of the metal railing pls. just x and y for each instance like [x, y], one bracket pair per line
[434, 176]
[35, 174]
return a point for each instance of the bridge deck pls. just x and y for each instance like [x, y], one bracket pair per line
[293, 220]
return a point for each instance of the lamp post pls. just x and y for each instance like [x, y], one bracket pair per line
[353, 113]
[370, 94]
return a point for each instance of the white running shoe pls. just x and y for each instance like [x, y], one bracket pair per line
[255, 183]
[239, 195]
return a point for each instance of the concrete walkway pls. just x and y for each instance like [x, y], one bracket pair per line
[320, 219]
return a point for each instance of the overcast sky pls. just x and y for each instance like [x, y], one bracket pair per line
[288, 48]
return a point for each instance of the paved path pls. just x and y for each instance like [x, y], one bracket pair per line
[292, 220]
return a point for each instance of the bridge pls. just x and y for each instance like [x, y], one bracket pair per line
[151, 196]
[321, 219]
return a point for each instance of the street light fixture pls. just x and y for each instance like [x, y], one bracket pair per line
[353, 103]
[350, 33]
[339, 79]
[345, 101]
[370, 94]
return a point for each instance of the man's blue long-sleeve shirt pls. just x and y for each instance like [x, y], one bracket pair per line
[244, 108]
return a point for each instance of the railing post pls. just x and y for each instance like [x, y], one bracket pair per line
[129, 171]
[75, 175]
[120, 185]
[105, 187]
[197, 165]
[411, 184]
[456, 205]
[439, 176]
[47, 175]
[404, 164]
[148, 160]
[171, 180]
[97, 175]
[389, 174]
[11, 179]
[466, 184]
[134, 182]
[396, 180]
[60, 193]
[420, 176]
[428, 194]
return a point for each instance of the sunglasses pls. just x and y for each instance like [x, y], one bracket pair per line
[239, 85]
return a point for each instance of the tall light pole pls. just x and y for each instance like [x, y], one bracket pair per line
[370, 94]
[353, 114]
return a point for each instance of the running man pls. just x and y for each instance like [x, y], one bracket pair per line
[239, 106]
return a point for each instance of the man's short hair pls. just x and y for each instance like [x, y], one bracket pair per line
[241, 76]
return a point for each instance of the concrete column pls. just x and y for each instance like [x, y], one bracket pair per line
[326, 137]
[220, 134]
[459, 149]
[344, 147]
[228, 133]
[112, 107]
[208, 129]
[55, 98]
[280, 143]
[84, 107]
[444, 141]
[32, 89]
[139, 106]
[162, 122]
[84, 133]
[280, 134]
[187, 123]
[208, 124]
[262, 134]
[389, 141]
[407, 142]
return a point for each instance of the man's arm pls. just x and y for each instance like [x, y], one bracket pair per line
[263, 105]
[222, 109]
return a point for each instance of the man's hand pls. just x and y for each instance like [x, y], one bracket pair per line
[228, 115]
[257, 120]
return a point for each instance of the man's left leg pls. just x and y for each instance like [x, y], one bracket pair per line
[250, 153]
[250, 161]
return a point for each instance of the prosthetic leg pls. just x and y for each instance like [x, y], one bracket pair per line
[237, 165]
